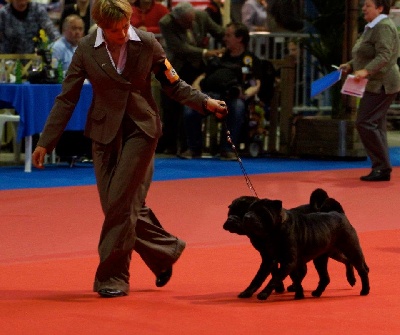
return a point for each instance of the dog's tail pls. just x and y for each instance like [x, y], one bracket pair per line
[330, 205]
[317, 198]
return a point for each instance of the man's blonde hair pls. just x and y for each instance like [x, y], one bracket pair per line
[108, 12]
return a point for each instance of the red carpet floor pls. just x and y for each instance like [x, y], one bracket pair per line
[48, 241]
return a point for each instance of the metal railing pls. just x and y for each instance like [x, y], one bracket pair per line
[274, 46]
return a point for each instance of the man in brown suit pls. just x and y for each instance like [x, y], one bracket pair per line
[124, 125]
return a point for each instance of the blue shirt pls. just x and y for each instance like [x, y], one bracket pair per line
[63, 52]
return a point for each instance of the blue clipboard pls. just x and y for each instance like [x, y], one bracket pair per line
[325, 82]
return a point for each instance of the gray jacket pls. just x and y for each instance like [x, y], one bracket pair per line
[377, 51]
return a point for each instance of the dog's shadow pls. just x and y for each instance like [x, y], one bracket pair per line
[390, 249]
[230, 298]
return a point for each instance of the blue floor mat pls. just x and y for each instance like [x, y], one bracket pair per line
[175, 168]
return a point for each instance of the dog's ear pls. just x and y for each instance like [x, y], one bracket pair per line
[317, 198]
[271, 210]
[240, 206]
[331, 205]
[277, 212]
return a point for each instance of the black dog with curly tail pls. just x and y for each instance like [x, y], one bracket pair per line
[234, 224]
[293, 239]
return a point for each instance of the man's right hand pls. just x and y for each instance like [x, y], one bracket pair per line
[38, 157]
[214, 53]
[218, 107]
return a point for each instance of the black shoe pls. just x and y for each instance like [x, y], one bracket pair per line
[377, 175]
[164, 277]
[111, 293]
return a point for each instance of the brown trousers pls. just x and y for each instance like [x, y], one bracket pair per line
[124, 170]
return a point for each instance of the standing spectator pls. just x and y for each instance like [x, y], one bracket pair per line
[283, 16]
[20, 22]
[236, 10]
[64, 47]
[124, 126]
[234, 77]
[214, 10]
[254, 15]
[375, 58]
[146, 14]
[185, 31]
[81, 8]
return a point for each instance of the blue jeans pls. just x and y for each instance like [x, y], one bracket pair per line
[234, 123]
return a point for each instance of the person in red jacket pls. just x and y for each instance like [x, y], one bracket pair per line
[146, 14]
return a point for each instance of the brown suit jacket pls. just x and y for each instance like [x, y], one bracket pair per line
[116, 94]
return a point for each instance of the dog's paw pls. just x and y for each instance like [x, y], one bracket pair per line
[245, 294]
[290, 288]
[280, 288]
[316, 293]
[263, 295]
[351, 279]
[299, 296]
[364, 291]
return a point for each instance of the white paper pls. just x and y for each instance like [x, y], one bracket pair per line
[354, 87]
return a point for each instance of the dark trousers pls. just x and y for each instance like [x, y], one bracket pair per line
[174, 135]
[371, 126]
[124, 171]
[173, 139]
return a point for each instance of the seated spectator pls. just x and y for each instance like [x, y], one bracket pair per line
[235, 77]
[20, 22]
[80, 8]
[146, 14]
[64, 48]
[214, 10]
[254, 15]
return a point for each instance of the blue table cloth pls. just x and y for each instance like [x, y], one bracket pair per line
[33, 103]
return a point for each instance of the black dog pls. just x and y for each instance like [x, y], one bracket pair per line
[293, 239]
[234, 224]
[320, 202]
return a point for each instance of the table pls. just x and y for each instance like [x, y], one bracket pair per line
[33, 103]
